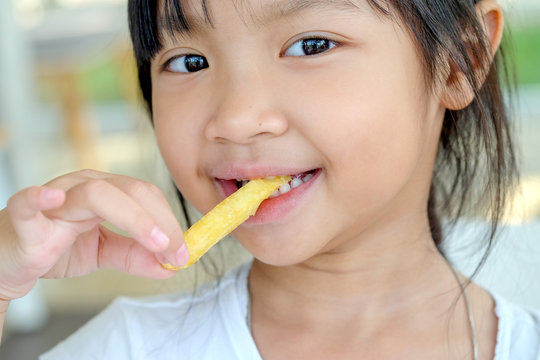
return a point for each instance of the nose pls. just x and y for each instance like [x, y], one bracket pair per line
[245, 112]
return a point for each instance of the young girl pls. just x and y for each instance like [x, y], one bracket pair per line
[389, 114]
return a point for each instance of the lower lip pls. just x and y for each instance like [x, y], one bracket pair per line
[275, 209]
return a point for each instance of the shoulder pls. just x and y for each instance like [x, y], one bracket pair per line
[157, 327]
[518, 334]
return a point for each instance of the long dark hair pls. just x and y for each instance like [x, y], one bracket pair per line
[476, 163]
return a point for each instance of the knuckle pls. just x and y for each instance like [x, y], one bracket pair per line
[74, 178]
[94, 187]
[152, 190]
[138, 189]
[156, 190]
[81, 175]
[87, 173]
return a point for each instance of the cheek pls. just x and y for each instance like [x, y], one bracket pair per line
[376, 162]
[372, 133]
[390, 138]
[179, 141]
[172, 134]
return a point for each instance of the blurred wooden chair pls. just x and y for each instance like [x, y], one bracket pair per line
[63, 44]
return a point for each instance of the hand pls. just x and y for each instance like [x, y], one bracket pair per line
[56, 231]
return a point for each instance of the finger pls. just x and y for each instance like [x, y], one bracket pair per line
[149, 196]
[27, 203]
[27, 230]
[67, 181]
[124, 254]
[100, 198]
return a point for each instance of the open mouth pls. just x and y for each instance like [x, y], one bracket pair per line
[297, 180]
[284, 201]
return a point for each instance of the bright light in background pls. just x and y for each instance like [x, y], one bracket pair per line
[86, 2]
[27, 5]
[32, 4]
[521, 8]
[29, 13]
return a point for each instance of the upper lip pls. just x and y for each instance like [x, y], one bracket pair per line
[254, 171]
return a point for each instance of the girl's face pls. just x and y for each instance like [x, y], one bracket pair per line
[329, 92]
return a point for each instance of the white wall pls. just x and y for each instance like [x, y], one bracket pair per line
[512, 269]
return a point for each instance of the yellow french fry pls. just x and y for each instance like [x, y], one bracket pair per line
[227, 216]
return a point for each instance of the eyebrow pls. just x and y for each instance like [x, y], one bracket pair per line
[179, 22]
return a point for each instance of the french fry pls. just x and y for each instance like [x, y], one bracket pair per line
[227, 216]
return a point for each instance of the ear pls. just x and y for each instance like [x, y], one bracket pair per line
[458, 92]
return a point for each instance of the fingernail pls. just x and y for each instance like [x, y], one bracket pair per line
[159, 238]
[182, 255]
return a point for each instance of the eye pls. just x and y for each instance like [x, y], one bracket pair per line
[186, 64]
[309, 47]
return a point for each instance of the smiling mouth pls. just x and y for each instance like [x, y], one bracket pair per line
[296, 181]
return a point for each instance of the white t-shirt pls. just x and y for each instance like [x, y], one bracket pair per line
[212, 324]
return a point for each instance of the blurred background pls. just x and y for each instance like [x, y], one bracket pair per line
[69, 100]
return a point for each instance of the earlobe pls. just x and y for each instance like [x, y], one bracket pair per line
[458, 91]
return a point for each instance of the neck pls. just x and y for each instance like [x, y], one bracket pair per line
[375, 295]
[376, 283]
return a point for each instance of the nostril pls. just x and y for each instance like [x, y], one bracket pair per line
[243, 125]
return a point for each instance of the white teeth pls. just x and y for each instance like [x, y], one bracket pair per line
[284, 189]
[296, 182]
[307, 177]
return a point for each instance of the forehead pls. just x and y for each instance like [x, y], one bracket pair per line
[191, 15]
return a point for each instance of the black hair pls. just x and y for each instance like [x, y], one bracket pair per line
[475, 163]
